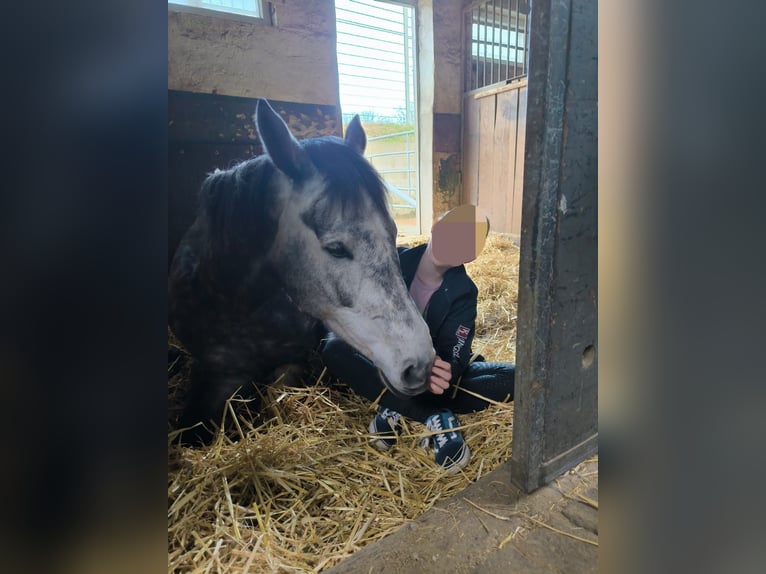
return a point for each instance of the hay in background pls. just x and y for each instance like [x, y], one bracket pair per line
[302, 488]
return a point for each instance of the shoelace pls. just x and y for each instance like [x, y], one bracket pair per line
[435, 424]
[392, 417]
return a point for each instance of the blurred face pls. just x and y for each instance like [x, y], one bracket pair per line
[459, 236]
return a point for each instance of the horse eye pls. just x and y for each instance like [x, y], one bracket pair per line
[338, 250]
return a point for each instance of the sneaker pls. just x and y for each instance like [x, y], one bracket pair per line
[450, 450]
[387, 426]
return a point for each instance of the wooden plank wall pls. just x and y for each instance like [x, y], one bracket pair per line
[493, 153]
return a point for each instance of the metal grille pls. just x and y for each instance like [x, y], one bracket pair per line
[497, 42]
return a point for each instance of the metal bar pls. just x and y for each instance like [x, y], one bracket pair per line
[479, 59]
[387, 171]
[413, 52]
[391, 153]
[406, 68]
[508, 43]
[469, 42]
[404, 133]
[478, 46]
[409, 165]
[397, 192]
[526, 41]
[466, 52]
[487, 55]
[514, 17]
[521, 30]
[475, 43]
[492, 51]
[501, 63]
[484, 46]
[516, 41]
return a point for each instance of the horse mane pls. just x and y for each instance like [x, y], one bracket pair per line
[237, 216]
[347, 173]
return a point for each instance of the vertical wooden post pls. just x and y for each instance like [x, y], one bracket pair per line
[556, 400]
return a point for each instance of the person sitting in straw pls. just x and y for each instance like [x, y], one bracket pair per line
[460, 382]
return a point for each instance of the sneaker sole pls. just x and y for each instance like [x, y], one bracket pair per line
[460, 463]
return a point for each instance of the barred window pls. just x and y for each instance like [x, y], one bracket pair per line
[497, 42]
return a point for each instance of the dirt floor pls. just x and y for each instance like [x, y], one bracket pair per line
[493, 528]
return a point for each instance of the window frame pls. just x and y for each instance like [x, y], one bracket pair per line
[221, 12]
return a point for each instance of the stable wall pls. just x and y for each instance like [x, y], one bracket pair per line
[291, 60]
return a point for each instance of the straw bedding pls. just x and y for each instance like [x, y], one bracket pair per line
[302, 488]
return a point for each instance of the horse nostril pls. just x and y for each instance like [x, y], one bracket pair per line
[411, 375]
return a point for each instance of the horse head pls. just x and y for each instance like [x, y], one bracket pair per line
[335, 249]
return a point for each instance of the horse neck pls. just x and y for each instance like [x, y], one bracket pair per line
[241, 229]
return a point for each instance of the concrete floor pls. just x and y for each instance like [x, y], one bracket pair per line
[492, 528]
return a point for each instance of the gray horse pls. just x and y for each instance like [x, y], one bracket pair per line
[286, 246]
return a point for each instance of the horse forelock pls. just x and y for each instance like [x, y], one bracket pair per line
[348, 176]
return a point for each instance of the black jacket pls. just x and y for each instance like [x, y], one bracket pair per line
[450, 313]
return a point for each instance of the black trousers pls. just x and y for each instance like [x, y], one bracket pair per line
[494, 381]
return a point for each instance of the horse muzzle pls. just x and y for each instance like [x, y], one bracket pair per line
[414, 382]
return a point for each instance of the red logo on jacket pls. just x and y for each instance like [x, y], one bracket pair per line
[462, 335]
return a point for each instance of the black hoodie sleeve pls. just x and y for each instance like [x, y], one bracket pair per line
[453, 341]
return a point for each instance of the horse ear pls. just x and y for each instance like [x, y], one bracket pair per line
[355, 136]
[279, 143]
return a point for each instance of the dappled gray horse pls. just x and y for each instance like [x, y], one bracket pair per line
[287, 245]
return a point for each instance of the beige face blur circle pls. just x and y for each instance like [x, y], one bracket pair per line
[459, 236]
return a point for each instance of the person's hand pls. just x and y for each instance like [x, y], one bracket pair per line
[441, 373]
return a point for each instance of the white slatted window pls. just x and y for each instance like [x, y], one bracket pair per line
[377, 80]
